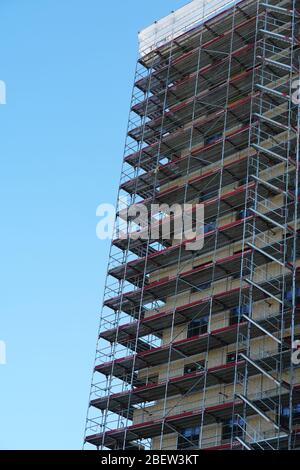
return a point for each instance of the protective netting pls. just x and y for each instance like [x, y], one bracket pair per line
[180, 21]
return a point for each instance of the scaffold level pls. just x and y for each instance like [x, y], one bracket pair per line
[195, 347]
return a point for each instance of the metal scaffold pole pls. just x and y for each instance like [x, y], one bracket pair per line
[194, 349]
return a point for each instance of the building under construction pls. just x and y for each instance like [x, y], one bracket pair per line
[196, 347]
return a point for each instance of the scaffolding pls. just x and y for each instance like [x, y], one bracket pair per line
[194, 348]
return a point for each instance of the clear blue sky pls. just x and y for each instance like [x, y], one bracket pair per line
[68, 66]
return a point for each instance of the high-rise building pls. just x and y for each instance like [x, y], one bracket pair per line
[198, 347]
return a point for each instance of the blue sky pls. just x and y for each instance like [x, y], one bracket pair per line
[68, 66]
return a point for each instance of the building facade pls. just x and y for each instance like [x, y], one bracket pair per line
[196, 348]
